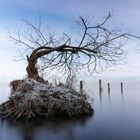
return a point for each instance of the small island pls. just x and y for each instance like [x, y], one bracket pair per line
[31, 100]
[34, 97]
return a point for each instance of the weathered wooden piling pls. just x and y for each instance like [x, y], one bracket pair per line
[108, 85]
[100, 86]
[81, 87]
[121, 87]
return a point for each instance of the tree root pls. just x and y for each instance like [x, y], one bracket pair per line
[20, 107]
[44, 108]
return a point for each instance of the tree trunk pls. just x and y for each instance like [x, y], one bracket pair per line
[32, 70]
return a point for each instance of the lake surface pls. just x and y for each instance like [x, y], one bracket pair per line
[116, 116]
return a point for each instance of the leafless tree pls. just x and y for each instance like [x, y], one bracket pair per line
[95, 46]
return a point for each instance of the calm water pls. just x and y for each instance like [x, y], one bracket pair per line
[116, 117]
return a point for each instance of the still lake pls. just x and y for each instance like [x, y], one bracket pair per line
[116, 116]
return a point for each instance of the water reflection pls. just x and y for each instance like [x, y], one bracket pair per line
[122, 98]
[47, 129]
[109, 96]
[100, 97]
[1, 123]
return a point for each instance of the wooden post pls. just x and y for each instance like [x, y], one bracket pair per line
[81, 87]
[121, 88]
[108, 85]
[100, 86]
[100, 90]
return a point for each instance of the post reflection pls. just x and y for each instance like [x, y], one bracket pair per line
[100, 96]
[122, 97]
[109, 97]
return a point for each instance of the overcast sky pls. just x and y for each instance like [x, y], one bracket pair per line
[59, 14]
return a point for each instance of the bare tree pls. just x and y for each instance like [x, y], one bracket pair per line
[95, 46]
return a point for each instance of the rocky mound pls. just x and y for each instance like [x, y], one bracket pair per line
[31, 100]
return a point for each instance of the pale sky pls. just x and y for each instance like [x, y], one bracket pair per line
[59, 14]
